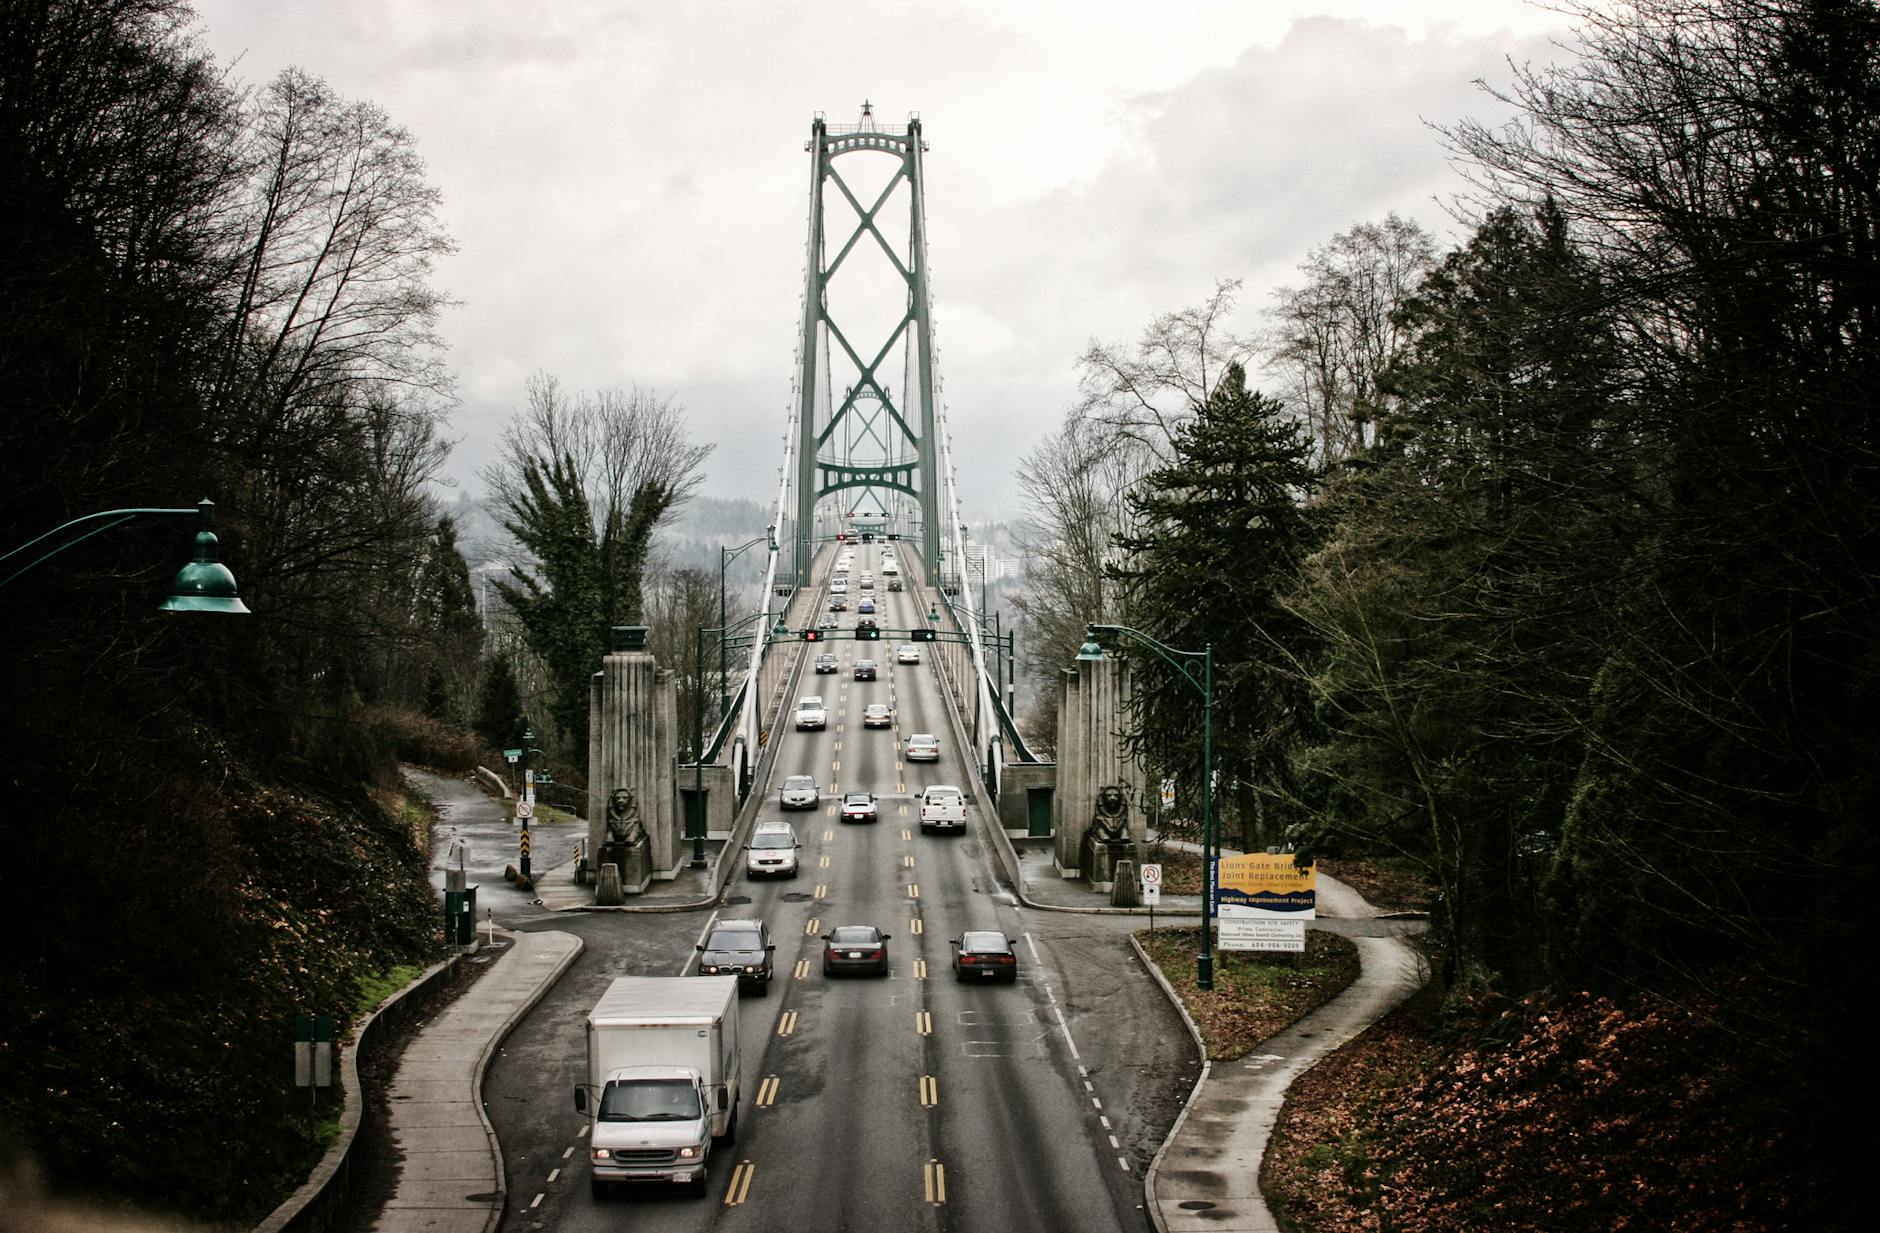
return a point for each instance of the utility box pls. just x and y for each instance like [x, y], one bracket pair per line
[460, 916]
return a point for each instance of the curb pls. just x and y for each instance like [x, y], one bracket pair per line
[1201, 1049]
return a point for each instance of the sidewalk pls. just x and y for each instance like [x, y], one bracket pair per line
[1207, 1175]
[451, 1179]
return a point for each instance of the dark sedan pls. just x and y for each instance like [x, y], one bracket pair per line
[984, 955]
[855, 948]
[864, 669]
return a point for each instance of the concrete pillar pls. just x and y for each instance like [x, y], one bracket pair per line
[633, 746]
[1093, 715]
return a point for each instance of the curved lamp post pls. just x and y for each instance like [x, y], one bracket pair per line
[203, 585]
[1197, 668]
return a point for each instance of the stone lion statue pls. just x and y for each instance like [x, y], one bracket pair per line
[1110, 824]
[623, 818]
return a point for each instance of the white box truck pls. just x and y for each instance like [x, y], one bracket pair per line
[662, 1083]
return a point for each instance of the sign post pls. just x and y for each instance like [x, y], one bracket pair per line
[1152, 890]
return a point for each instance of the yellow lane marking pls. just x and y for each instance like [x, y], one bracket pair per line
[907, 862]
[903, 811]
[923, 1023]
[838, 743]
[828, 835]
[812, 926]
[831, 811]
[936, 1174]
[913, 890]
[787, 1024]
[906, 835]
[920, 969]
[825, 861]
[836, 765]
[929, 1091]
[917, 925]
[822, 889]
[900, 787]
[740, 1184]
[767, 1091]
[802, 969]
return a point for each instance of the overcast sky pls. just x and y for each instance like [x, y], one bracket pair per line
[628, 188]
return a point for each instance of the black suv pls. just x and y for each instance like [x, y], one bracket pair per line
[740, 948]
[864, 669]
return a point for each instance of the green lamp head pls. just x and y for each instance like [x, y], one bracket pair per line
[205, 584]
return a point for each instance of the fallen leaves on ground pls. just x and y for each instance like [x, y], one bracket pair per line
[1256, 994]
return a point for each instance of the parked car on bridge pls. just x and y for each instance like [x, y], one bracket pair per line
[980, 954]
[855, 948]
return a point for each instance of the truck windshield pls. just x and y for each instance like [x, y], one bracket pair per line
[650, 1100]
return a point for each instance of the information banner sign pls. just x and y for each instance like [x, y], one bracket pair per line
[1258, 884]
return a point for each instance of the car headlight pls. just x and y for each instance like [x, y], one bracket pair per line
[711, 969]
[601, 1153]
[689, 1153]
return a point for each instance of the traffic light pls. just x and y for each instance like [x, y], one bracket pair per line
[924, 635]
[867, 633]
[894, 535]
[812, 635]
[842, 537]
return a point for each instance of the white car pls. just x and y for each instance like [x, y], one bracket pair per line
[923, 747]
[839, 585]
[908, 654]
[810, 713]
[842, 566]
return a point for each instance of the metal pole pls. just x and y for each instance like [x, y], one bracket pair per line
[1204, 974]
[723, 561]
[697, 819]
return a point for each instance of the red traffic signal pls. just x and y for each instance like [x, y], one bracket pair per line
[812, 635]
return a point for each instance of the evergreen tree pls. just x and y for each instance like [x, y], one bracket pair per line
[499, 702]
[1223, 530]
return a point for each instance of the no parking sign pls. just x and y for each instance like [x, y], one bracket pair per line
[1151, 885]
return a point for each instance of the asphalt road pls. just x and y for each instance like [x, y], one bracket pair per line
[900, 1102]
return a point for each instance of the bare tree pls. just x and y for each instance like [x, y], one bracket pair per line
[1143, 395]
[1333, 337]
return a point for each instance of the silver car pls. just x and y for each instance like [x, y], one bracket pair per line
[799, 792]
[923, 747]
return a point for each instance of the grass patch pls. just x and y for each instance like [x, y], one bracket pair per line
[375, 989]
[1256, 993]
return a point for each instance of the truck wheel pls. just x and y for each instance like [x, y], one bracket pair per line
[700, 1184]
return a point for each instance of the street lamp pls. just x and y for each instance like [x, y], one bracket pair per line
[1197, 668]
[204, 585]
[696, 824]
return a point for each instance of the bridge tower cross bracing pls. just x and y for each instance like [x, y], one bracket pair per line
[879, 443]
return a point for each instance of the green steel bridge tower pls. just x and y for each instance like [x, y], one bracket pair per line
[867, 456]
